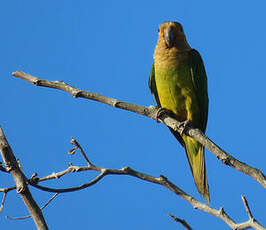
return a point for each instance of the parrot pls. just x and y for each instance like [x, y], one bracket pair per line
[178, 83]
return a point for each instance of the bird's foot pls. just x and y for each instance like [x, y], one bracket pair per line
[184, 125]
[161, 111]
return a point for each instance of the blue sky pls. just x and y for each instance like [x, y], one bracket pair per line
[107, 47]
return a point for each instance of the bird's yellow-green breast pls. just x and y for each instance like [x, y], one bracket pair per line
[175, 88]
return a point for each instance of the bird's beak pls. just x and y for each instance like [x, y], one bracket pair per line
[169, 36]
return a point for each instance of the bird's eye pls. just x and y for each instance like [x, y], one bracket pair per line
[158, 30]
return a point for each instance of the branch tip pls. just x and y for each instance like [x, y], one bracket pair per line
[247, 207]
[73, 141]
[182, 221]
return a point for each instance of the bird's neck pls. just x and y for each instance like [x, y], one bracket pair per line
[170, 56]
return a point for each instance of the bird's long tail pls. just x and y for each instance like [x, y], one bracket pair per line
[196, 158]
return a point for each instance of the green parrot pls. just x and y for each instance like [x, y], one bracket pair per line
[178, 82]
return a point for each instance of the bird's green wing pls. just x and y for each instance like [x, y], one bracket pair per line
[199, 80]
[152, 85]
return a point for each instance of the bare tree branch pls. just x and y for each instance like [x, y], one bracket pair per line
[162, 180]
[12, 166]
[182, 221]
[151, 112]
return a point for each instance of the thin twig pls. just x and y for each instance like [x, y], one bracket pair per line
[7, 189]
[150, 112]
[247, 207]
[182, 221]
[29, 216]
[50, 200]
[73, 141]
[3, 201]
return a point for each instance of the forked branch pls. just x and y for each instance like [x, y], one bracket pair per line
[162, 180]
